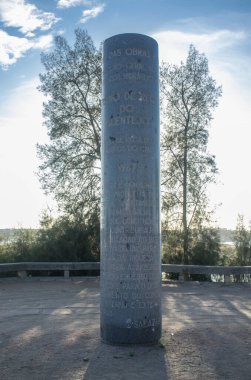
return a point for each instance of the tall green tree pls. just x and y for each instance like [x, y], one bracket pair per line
[188, 97]
[242, 239]
[71, 82]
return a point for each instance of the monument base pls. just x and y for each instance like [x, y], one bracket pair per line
[122, 336]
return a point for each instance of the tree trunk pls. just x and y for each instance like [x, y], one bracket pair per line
[184, 216]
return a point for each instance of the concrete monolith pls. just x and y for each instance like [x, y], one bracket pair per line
[130, 209]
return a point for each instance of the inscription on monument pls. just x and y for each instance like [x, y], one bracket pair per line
[130, 220]
[133, 96]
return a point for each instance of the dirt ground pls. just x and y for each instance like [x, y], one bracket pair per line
[49, 329]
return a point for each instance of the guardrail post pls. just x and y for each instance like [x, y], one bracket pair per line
[22, 274]
[227, 278]
[66, 274]
[181, 277]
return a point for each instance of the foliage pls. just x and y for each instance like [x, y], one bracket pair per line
[70, 168]
[227, 255]
[188, 96]
[242, 239]
[171, 246]
[62, 239]
[205, 246]
[205, 251]
[71, 161]
[67, 240]
[20, 247]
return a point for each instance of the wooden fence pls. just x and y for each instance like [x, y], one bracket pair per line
[21, 269]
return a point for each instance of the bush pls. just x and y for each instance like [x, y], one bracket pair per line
[62, 239]
[205, 249]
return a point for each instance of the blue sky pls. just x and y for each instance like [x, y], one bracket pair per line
[219, 28]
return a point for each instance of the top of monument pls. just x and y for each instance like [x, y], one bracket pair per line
[137, 36]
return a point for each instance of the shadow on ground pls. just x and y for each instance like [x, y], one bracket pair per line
[50, 330]
[207, 331]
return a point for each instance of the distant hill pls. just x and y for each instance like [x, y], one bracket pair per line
[226, 235]
[10, 233]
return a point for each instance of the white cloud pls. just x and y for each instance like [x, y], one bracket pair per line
[43, 42]
[12, 48]
[25, 16]
[60, 32]
[94, 8]
[174, 44]
[92, 13]
[73, 3]
[219, 47]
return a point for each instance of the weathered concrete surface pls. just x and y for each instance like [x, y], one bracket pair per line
[50, 330]
[130, 302]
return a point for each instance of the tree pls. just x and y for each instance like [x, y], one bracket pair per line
[188, 97]
[66, 239]
[205, 249]
[19, 247]
[242, 239]
[70, 168]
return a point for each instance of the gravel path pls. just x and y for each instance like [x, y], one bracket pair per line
[49, 329]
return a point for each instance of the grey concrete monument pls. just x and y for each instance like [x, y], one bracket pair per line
[130, 209]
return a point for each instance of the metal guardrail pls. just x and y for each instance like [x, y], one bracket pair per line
[206, 269]
[226, 271]
[23, 267]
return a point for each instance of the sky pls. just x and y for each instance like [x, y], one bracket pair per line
[221, 29]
